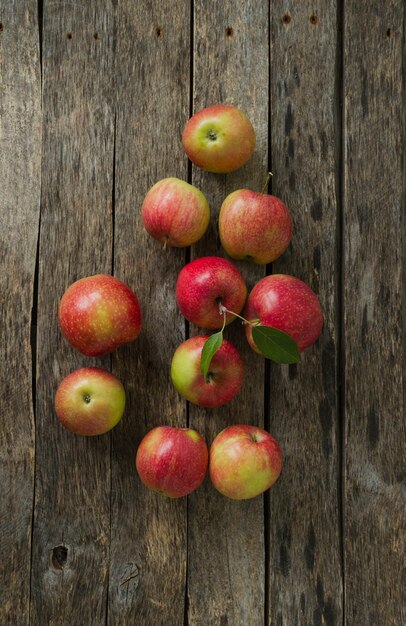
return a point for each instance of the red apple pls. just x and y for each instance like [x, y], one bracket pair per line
[99, 313]
[90, 401]
[219, 138]
[172, 461]
[286, 303]
[254, 226]
[223, 381]
[244, 462]
[204, 284]
[175, 213]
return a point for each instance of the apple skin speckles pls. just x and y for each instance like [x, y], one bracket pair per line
[226, 373]
[172, 461]
[244, 461]
[175, 213]
[99, 313]
[219, 138]
[90, 401]
[288, 304]
[205, 283]
[254, 226]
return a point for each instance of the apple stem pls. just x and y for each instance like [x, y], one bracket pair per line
[224, 311]
[268, 178]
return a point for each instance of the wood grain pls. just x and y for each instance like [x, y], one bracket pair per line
[305, 575]
[148, 535]
[72, 497]
[119, 79]
[375, 441]
[20, 162]
[226, 538]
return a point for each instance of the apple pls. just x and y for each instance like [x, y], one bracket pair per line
[90, 401]
[244, 461]
[223, 381]
[219, 138]
[172, 461]
[254, 226]
[206, 283]
[99, 313]
[286, 303]
[175, 213]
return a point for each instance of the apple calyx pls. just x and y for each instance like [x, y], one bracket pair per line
[273, 343]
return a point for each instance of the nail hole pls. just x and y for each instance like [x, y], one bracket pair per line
[158, 31]
[313, 19]
[229, 31]
[286, 18]
[69, 36]
[96, 36]
[388, 32]
[1, 26]
[59, 557]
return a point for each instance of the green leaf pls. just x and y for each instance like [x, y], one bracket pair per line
[275, 344]
[209, 350]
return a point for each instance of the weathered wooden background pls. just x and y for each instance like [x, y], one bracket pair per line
[93, 99]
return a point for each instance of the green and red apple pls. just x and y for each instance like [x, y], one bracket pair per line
[223, 380]
[99, 313]
[90, 401]
[244, 461]
[175, 213]
[172, 461]
[254, 226]
[206, 283]
[219, 138]
[288, 304]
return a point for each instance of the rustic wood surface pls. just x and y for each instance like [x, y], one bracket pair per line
[148, 533]
[93, 99]
[374, 339]
[305, 519]
[226, 539]
[71, 533]
[20, 187]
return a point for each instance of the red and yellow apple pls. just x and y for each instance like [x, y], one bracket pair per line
[175, 213]
[224, 378]
[219, 138]
[288, 304]
[90, 401]
[99, 313]
[254, 226]
[206, 283]
[244, 461]
[172, 461]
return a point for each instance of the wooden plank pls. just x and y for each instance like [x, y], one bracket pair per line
[375, 451]
[20, 169]
[148, 538]
[226, 538]
[72, 517]
[305, 578]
